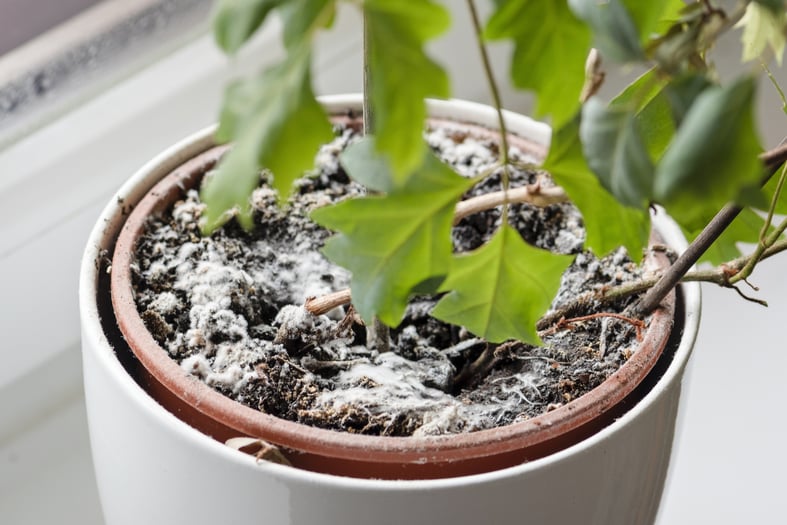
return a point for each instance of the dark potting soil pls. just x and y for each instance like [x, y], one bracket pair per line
[229, 309]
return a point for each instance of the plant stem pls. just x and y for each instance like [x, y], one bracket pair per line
[368, 112]
[689, 258]
[776, 85]
[378, 332]
[533, 194]
[765, 239]
[774, 201]
[496, 100]
[720, 275]
[325, 303]
[772, 160]
[756, 257]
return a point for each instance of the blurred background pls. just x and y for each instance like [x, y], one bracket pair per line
[90, 90]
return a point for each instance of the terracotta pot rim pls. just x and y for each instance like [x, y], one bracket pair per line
[345, 445]
[100, 344]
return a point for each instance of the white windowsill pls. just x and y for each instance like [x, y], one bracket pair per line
[56, 182]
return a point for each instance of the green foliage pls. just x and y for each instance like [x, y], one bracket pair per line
[395, 242]
[368, 167]
[646, 99]
[235, 21]
[608, 223]
[683, 91]
[763, 26]
[674, 137]
[278, 124]
[615, 33]
[653, 17]
[774, 5]
[500, 290]
[713, 155]
[622, 28]
[616, 152]
[301, 19]
[545, 34]
[403, 75]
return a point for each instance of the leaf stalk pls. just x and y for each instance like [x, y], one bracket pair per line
[496, 100]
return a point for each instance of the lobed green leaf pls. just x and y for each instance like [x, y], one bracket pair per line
[608, 223]
[280, 126]
[500, 290]
[394, 243]
[403, 75]
[550, 48]
[763, 27]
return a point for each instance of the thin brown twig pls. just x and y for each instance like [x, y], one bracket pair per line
[325, 303]
[771, 159]
[541, 196]
[532, 194]
[564, 324]
[719, 275]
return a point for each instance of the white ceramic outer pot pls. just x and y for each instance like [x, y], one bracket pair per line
[153, 468]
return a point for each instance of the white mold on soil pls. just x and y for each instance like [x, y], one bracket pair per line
[229, 309]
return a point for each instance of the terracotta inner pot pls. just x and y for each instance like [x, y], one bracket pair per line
[349, 454]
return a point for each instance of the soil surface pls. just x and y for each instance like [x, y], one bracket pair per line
[229, 309]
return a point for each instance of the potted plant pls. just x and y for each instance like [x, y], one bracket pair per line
[651, 144]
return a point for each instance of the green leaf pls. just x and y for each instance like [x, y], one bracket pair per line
[683, 91]
[500, 290]
[616, 152]
[681, 47]
[301, 18]
[394, 243]
[403, 75]
[640, 92]
[653, 115]
[653, 16]
[608, 223]
[656, 126]
[774, 5]
[713, 156]
[235, 21]
[362, 162]
[762, 27]
[614, 31]
[278, 124]
[545, 34]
